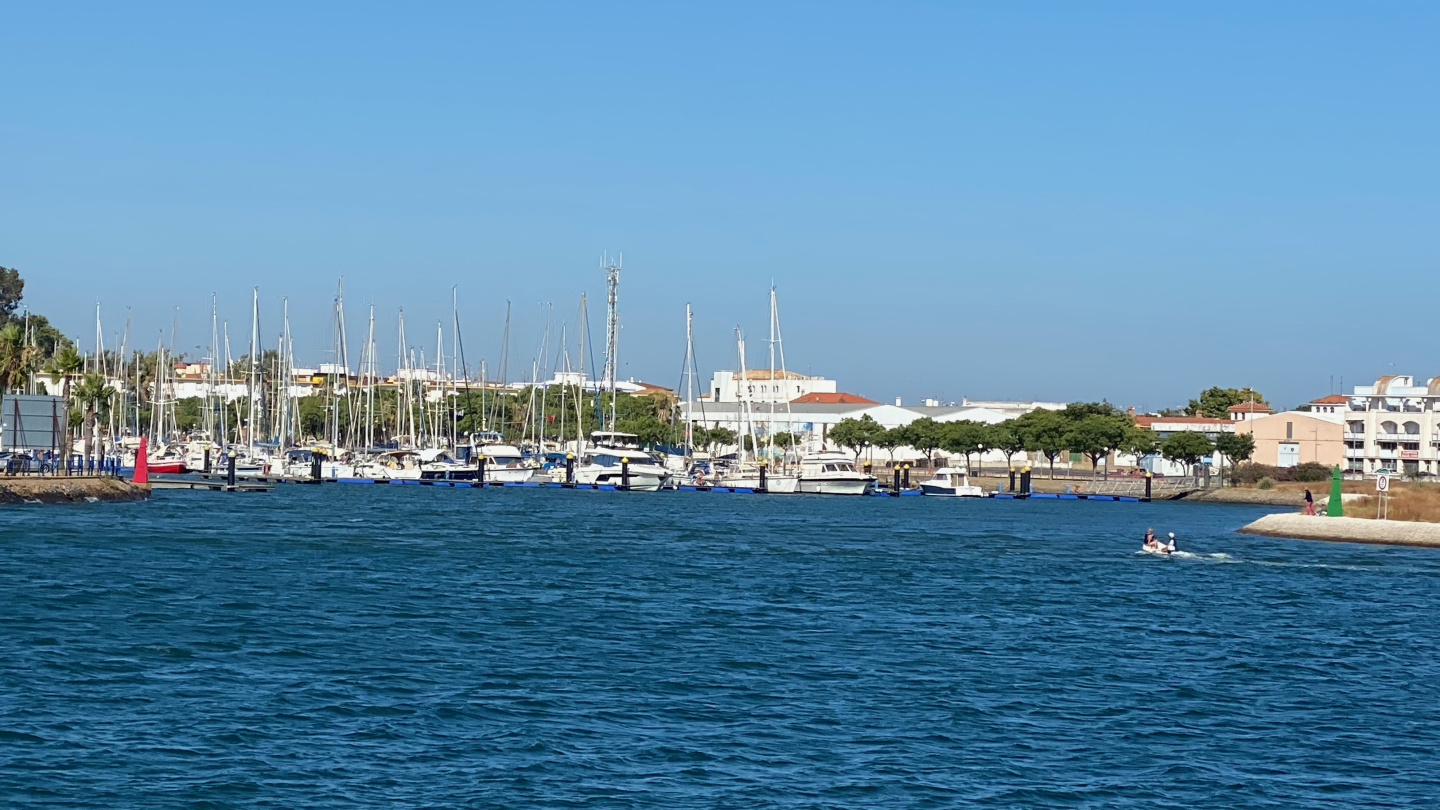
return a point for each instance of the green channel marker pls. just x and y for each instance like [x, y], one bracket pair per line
[1336, 506]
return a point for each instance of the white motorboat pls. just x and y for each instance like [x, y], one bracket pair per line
[747, 476]
[612, 454]
[300, 464]
[505, 464]
[949, 482]
[832, 473]
[416, 465]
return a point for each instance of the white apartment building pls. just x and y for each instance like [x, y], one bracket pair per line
[1392, 425]
[761, 385]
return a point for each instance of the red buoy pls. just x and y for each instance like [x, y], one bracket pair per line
[142, 465]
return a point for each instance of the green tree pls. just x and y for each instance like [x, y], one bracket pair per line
[63, 366]
[188, 412]
[1007, 440]
[43, 336]
[925, 435]
[1077, 411]
[1187, 447]
[966, 437]
[1238, 447]
[1044, 432]
[888, 440]
[1215, 403]
[12, 289]
[648, 428]
[1140, 442]
[1096, 436]
[94, 396]
[856, 434]
[17, 360]
[710, 438]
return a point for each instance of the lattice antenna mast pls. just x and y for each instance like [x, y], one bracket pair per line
[612, 328]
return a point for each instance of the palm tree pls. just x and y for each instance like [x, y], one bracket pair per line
[17, 360]
[61, 368]
[94, 394]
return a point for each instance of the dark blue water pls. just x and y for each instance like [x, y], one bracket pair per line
[378, 647]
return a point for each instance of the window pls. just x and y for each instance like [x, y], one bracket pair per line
[1289, 430]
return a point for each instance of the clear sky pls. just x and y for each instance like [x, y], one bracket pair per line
[993, 200]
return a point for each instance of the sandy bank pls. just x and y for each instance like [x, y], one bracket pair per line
[1347, 530]
[74, 489]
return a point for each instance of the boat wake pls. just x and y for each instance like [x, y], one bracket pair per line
[1187, 555]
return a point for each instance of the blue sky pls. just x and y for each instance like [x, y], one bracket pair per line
[1049, 200]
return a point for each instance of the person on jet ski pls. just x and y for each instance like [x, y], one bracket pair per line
[1151, 544]
[1170, 548]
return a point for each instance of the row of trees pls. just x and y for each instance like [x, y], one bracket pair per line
[1092, 429]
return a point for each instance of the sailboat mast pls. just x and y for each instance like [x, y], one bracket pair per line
[369, 381]
[254, 367]
[212, 379]
[287, 373]
[743, 419]
[689, 381]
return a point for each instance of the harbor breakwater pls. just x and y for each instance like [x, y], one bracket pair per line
[69, 489]
[1347, 530]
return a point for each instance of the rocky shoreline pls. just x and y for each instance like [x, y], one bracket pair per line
[1347, 530]
[72, 489]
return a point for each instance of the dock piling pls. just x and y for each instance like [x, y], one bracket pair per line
[625, 472]
[230, 469]
[569, 468]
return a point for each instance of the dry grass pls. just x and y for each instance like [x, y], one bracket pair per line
[1418, 502]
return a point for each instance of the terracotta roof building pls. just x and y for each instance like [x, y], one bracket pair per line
[832, 399]
[1250, 410]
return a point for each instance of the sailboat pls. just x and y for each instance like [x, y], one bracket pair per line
[747, 473]
[614, 456]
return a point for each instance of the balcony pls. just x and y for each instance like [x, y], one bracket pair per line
[1397, 437]
[1388, 454]
[1351, 452]
[1355, 436]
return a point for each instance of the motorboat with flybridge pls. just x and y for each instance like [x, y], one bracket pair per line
[612, 454]
[832, 473]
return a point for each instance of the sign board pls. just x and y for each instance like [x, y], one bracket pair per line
[1382, 483]
[1409, 455]
[32, 423]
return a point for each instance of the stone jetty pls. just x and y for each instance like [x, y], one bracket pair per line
[1347, 530]
[69, 489]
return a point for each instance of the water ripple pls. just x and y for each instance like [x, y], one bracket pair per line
[344, 647]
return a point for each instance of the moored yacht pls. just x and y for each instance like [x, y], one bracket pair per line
[747, 475]
[416, 465]
[832, 473]
[504, 463]
[949, 482]
[605, 462]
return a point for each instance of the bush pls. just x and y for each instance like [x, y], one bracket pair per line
[1266, 483]
[1250, 474]
[1311, 472]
